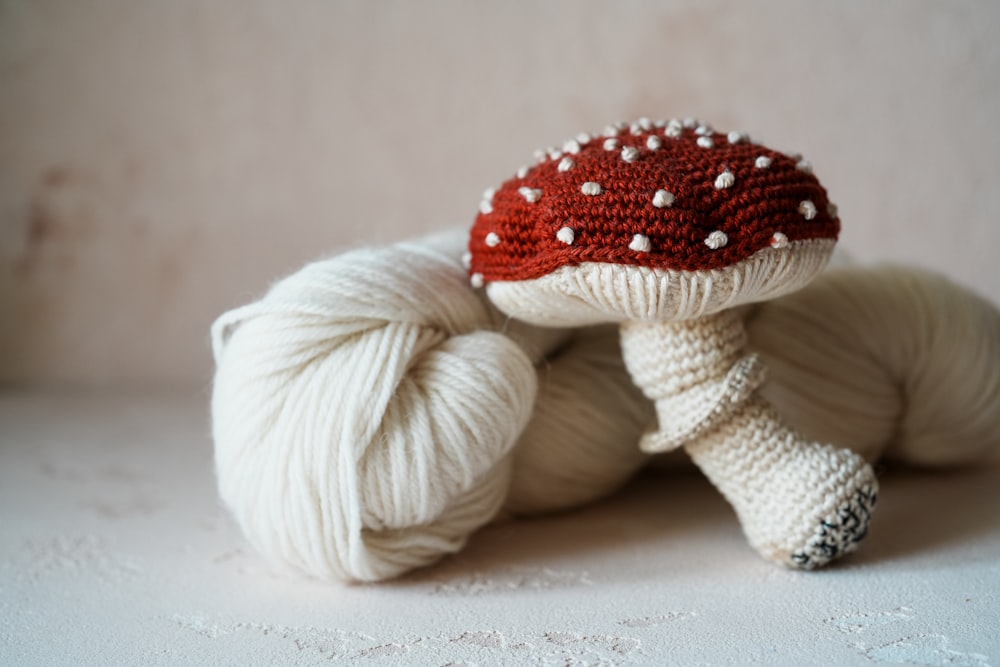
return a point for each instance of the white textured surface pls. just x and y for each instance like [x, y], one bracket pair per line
[114, 551]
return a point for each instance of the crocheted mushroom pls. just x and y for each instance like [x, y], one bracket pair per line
[666, 228]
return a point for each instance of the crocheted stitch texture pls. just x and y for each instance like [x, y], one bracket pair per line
[663, 195]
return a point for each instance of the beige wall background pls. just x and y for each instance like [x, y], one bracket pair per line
[163, 161]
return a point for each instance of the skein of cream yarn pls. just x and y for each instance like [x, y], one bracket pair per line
[365, 409]
[889, 361]
[582, 441]
[372, 410]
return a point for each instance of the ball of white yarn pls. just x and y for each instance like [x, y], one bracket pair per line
[891, 362]
[364, 411]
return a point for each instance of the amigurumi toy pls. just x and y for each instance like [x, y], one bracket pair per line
[374, 409]
[667, 228]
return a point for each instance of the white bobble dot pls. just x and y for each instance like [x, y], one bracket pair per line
[477, 280]
[735, 137]
[716, 240]
[779, 240]
[610, 144]
[566, 164]
[640, 243]
[724, 180]
[831, 210]
[635, 130]
[566, 235]
[630, 153]
[703, 130]
[466, 259]
[531, 195]
[645, 124]
[674, 131]
[554, 154]
[488, 194]
[492, 240]
[762, 162]
[660, 124]
[539, 154]
[653, 142]
[804, 166]
[485, 207]
[662, 199]
[571, 146]
[610, 131]
[706, 142]
[583, 138]
[590, 188]
[523, 171]
[807, 209]
[690, 123]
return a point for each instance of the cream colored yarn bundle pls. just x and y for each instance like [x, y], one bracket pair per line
[364, 412]
[372, 410]
[581, 442]
[889, 361]
[365, 409]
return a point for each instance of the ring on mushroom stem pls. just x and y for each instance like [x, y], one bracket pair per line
[666, 227]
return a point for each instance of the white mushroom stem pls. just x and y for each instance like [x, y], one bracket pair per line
[800, 503]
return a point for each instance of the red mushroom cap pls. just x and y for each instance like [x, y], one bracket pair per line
[676, 196]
